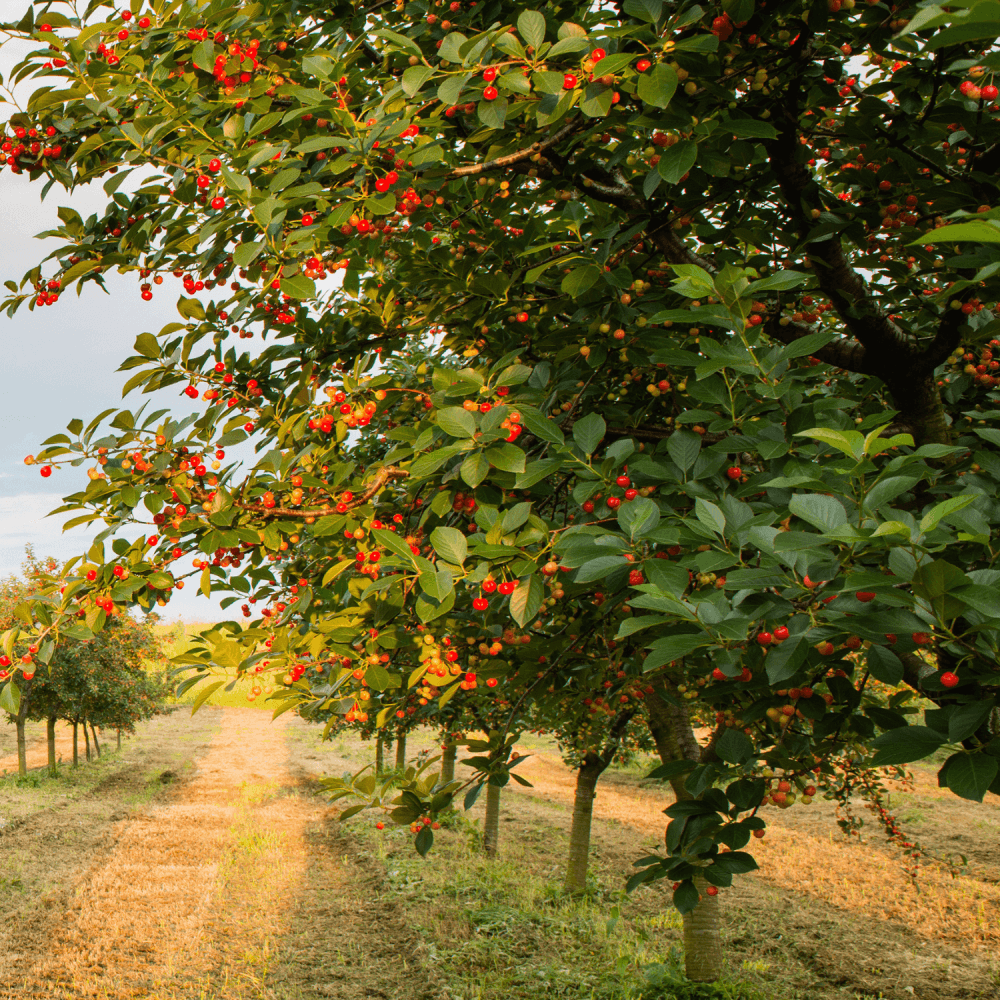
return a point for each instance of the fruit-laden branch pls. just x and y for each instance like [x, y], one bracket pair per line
[383, 476]
[522, 154]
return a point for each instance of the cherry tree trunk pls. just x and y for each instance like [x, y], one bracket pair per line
[702, 941]
[22, 760]
[50, 733]
[579, 837]
[491, 822]
[401, 753]
[448, 764]
[86, 739]
[671, 730]
[76, 739]
[379, 754]
[97, 746]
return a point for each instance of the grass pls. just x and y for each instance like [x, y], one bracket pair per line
[505, 929]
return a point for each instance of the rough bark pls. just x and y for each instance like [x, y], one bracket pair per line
[401, 753]
[97, 746]
[579, 838]
[22, 760]
[50, 733]
[491, 822]
[671, 730]
[702, 942]
[379, 754]
[448, 764]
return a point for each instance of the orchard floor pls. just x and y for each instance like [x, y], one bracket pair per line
[197, 863]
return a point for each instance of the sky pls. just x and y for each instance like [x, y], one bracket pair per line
[60, 362]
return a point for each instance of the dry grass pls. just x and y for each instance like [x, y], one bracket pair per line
[191, 889]
[815, 860]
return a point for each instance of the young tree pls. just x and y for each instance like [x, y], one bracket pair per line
[708, 371]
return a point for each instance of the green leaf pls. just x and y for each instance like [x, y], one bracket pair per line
[246, 253]
[904, 745]
[657, 85]
[933, 517]
[750, 128]
[734, 862]
[531, 27]
[506, 457]
[885, 665]
[542, 425]
[683, 447]
[580, 280]
[414, 77]
[450, 544]
[821, 511]
[536, 471]
[644, 10]
[457, 422]
[781, 281]
[526, 600]
[475, 468]
[673, 647]
[493, 114]
[710, 515]
[639, 517]
[677, 160]
[969, 775]
[10, 698]
[589, 432]
[734, 746]
[966, 719]
[976, 231]
[298, 287]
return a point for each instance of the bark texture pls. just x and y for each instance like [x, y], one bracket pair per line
[491, 822]
[401, 753]
[379, 754]
[50, 733]
[448, 764]
[702, 940]
[579, 837]
[22, 760]
[97, 746]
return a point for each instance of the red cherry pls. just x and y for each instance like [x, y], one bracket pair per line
[614, 503]
[735, 472]
[307, 220]
[853, 642]
[780, 633]
[569, 82]
[718, 674]
[490, 94]
[989, 92]
[623, 481]
[864, 596]
[489, 74]
[218, 203]
[507, 587]
[890, 638]
[631, 494]
[480, 603]
[921, 638]
[948, 679]
[192, 391]
[642, 65]
[46, 471]
[214, 165]
[765, 638]
[712, 890]
[203, 181]
[588, 506]
[597, 55]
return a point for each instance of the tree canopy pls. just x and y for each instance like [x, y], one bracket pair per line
[658, 332]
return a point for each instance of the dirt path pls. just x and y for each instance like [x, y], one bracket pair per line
[170, 906]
